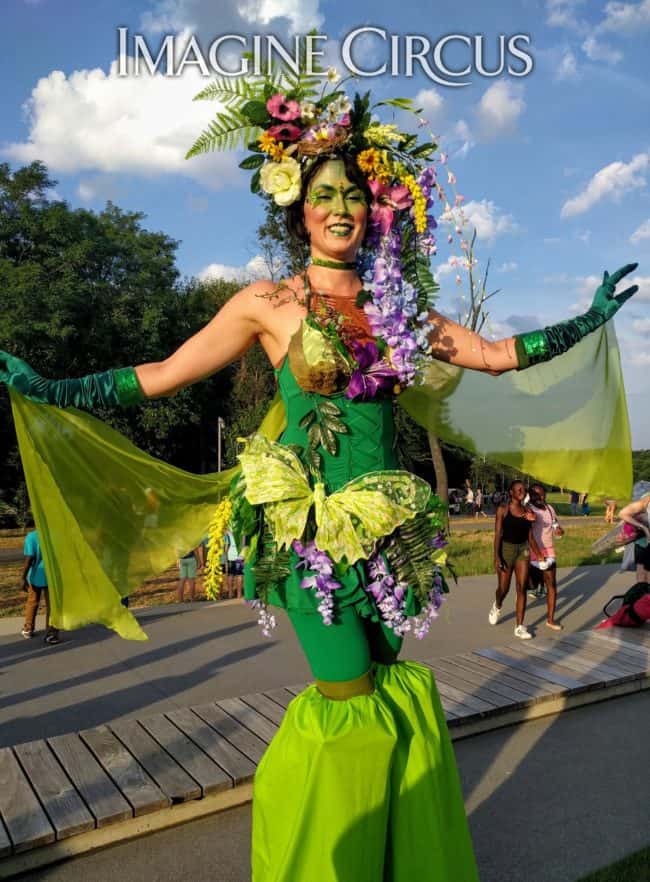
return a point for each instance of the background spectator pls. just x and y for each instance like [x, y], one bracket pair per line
[35, 584]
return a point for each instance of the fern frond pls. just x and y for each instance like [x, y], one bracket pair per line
[227, 131]
[232, 91]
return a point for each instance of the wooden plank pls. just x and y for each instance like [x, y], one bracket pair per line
[492, 679]
[97, 789]
[296, 690]
[63, 805]
[126, 772]
[236, 767]
[249, 717]
[608, 636]
[506, 657]
[241, 739]
[638, 636]
[480, 686]
[617, 645]
[464, 699]
[282, 696]
[5, 842]
[210, 777]
[165, 771]
[265, 706]
[25, 820]
[518, 679]
[570, 659]
[602, 653]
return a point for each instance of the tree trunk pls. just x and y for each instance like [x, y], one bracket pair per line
[439, 467]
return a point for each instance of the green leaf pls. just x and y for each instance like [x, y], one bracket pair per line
[329, 408]
[314, 436]
[256, 112]
[307, 420]
[336, 425]
[424, 150]
[329, 440]
[362, 298]
[401, 103]
[255, 182]
[254, 161]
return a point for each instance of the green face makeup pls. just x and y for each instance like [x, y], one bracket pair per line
[332, 189]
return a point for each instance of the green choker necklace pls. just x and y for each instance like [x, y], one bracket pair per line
[333, 264]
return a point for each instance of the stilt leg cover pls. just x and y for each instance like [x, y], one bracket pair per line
[428, 836]
[322, 792]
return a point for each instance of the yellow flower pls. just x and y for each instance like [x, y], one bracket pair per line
[419, 203]
[376, 164]
[216, 532]
[282, 180]
[383, 135]
[267, 142]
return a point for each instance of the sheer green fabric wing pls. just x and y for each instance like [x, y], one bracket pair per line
[109, 516]
[564, 422]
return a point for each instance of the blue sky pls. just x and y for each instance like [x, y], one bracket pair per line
[554, 166]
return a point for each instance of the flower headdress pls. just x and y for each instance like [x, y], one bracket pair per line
[286, 120]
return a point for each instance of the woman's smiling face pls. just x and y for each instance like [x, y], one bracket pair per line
[335, 213]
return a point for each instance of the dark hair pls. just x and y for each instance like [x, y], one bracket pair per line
[294, 214]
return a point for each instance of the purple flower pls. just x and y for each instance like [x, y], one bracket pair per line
[321, 581]
[439, 541]
[372, 375]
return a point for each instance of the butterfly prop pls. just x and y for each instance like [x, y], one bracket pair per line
[348, 521]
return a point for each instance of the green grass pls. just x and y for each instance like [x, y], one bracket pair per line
[635, 868]
[561, 502]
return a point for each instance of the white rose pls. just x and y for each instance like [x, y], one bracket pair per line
[282, 180]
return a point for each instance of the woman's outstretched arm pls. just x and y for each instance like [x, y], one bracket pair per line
[232, 331]
[458, 345]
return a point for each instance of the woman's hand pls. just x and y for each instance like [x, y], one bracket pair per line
[20, 376]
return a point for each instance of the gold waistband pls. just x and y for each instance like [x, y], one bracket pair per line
[341, 690]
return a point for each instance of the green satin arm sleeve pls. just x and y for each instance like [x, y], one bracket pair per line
[538, 346]
[543, 345]
[111, 388]
[108, 389]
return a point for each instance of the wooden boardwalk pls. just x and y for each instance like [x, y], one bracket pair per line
[73, 793]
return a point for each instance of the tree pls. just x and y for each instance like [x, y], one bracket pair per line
[82, 292]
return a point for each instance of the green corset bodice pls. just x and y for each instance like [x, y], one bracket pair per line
[368, 445]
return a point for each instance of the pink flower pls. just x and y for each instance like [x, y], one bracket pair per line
[345, 120]
[280, 108]
[285, 132]
[387, 200]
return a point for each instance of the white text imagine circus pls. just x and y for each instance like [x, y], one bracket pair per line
[447, 61]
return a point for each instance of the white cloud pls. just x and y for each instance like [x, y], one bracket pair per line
[610, 182]
[641, 358]
[499, 109]
[562, 14]
[596, 50]
[508, 267]
[641, 326]
[198, 16]
[256, 268]
[432, 104]
[584, 236]
[99, 188]
[93, 121]
[567, 69]
[626, 18]
[643, 232]
[489, 223]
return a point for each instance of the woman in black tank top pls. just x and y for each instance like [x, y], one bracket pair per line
[511, 555]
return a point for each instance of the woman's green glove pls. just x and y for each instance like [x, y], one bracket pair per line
[537, 346]
[116, 387]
